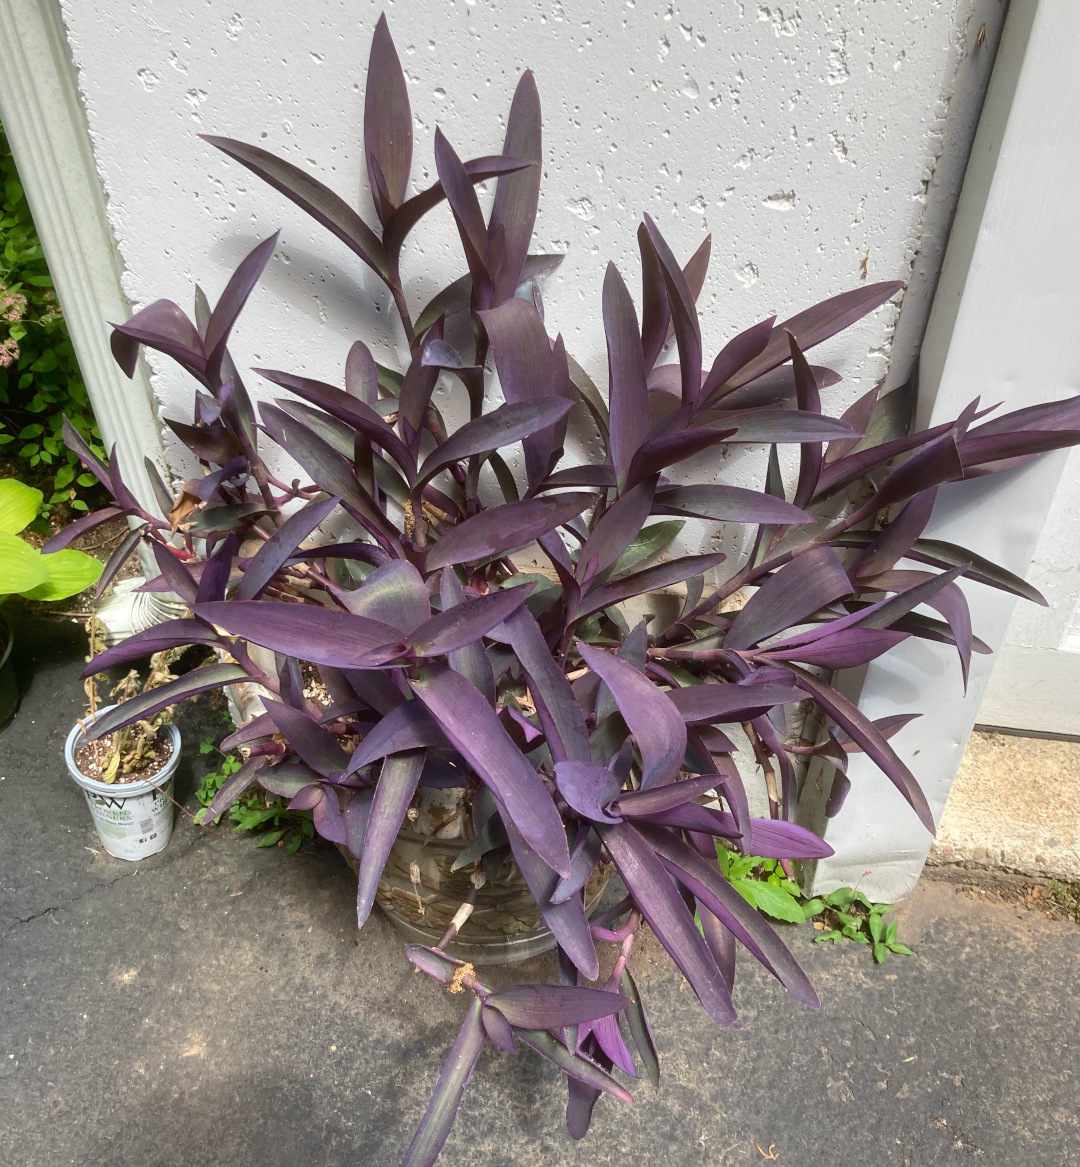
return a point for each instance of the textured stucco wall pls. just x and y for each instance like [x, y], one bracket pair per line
[804, 136]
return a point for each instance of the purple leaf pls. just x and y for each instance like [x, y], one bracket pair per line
[215, 576]
[683, 314]
[655, 313]
[617, 528]
[898, 537]
[79, 527]
[158, 638]
[640, 1029]
[704, 880]
[116, 560]
[505, 528]
[326, 815]
[574, 1065]
[857, 465]
[664, 450]
[465, 206]
[232, 302]
[394, 594]
[349, 409]
[606, 1032]
[494, 431]
[316, 746]
[848, 649]
[726, 504]
[393, 797]
[815, 325]
[647, 802]
[471, 661]
[526, 370]
[628, 396]
[435, 1126]
[703, 704]
[319, 201]
[770, 838]
[735, 355]
[659, 901]
[163, 326]
[652, 579]
[988, 453]
[780, 425]
[514, 209]
[274, 554]
[591, 476]
[588, 788]
[235, 785]
[583, 862]
[407, 726]
[467, 622]
[811, 456]
[937, 462]
[145, 704]
[553, 1006]
[498, 1030]
[309, 633]
[654, 721]
[78, 445]
[387, 118]
[870, 739]
[355, 816]
[556, 706]
[797, 590]
[472, 726]
[858, 415]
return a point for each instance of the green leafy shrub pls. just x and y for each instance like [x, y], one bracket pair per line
[39, 376]
[848, 914]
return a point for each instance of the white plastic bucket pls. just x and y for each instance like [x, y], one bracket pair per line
[133, 819]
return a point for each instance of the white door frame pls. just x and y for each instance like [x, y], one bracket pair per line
[1003, 325]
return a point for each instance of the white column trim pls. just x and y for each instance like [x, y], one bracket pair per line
[46, 126]
[1003, 326]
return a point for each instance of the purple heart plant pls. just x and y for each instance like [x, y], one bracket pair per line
[582, 743]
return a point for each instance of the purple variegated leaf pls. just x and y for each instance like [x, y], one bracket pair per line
[553, 1006]
[79, 446]
[811, 456]
[702, 704]
[505, 528]
[154, 700]
[467, 622]
[310, 195]
[683, 313]
[856, 465]
[588, 788]
[797, 590]
[79, 527]
[435, 1126]
[658, 900]
[315, 745]
[387, 117]
[309, 633]
[726, 504]
[591, 476]
[120, 555]
[898, 537]
[705, 881]
[646, 802]
[394, 594]
[937, 462]
[988, 453]
[472, 726]
[273, 555]
[514, 208]
[640, 1029]
[735, 355]
[393, 796]
[870, 738]
[654, 721]
[215, 576]
[771, 838]
[465, 206]
[780, 425]
[655, 313]
[231, 303]
[628, 396]
[494, 431]
[816, 324]
[606, 1032]
[652, 579]
[163, 326]
[408, 726]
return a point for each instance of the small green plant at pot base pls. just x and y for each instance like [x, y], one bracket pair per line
[267, 815]
[24, 570]
[763, 883]
[847, 914]
[40, 381]
[570, 743]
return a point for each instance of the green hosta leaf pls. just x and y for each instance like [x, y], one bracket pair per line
[21, 568]
[19, 505]
[69, 571]
[771, 900]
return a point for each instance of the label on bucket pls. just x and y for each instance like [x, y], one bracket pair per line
[136, 826]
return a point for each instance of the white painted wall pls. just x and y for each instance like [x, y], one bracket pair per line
[804, 137]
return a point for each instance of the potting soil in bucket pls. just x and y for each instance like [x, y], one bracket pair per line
[133, 819]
